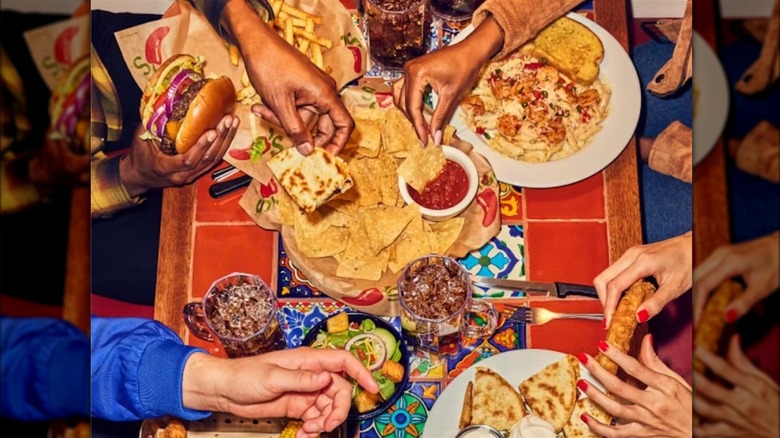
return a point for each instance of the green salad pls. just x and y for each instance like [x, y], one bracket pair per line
[378, 350]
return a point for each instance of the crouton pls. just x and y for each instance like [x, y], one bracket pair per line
[338, 323]
[393, 371]
[365, 401]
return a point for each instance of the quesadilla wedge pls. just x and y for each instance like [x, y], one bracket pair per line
[494, 401]
[313, 180]
[552, 392]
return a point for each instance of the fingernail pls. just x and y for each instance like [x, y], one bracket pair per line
[583, 385]
[212, 136]
[305, 148]
[643, 315]
[650, 339]
[584, 418]
[228, 122]
[603, 346]
[731, 316]
[437, 137]
[583, 358]
[604, 324]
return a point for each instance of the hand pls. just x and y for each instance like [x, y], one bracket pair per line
[56, 164]
[755, 261]
[663, 409]
[301, 383]
[669, 262]
[147, 167]
[450, 72]
[293, 90]
[748, 408]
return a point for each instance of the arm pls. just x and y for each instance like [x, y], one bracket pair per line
[670, 153]
[45, 368]
[137, 370]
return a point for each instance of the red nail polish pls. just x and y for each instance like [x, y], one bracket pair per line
[650, 338]
[583, 358]
[603, 345]
[731, 316]
[583, 385]
[643, 315]
[584, 418]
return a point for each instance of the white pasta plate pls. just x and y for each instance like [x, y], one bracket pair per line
[711, 106]
[619, 74]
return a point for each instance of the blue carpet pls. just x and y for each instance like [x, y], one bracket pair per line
[666, 201]
[754, 203]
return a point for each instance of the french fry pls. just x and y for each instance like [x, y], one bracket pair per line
[295, 12]
[309, 26]
[276, 6]
[289, 32]
[324, 42]
[234, 54]
[245, 79]
[316, 55]
[245, 93]
[303, 46]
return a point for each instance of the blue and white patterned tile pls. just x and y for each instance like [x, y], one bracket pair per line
[407, 417]
[291, 282]
[502, 257]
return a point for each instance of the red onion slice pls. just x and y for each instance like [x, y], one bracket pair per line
[176, 83]
[378, 342]
[157, 121]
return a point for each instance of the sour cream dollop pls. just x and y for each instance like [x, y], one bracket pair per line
[532, 426]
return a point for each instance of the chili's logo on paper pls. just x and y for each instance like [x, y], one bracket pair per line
[62, 55]
[153, 55]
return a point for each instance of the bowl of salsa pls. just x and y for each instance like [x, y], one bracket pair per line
[450, 193]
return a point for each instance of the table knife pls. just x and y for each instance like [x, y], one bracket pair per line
[223, 188]
[537, 288]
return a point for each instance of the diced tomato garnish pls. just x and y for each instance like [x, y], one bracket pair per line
[537, 95]
[480, 130]
[534, 66]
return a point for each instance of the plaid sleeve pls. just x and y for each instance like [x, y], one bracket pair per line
[17, 192]
[108, 193]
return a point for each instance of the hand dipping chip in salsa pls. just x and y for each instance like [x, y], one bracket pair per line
[442, 183]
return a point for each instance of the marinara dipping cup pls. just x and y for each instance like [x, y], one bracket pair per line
[449, 194]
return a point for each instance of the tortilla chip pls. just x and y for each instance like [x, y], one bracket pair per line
[445, 233]
[384, 224]
[357, 261]
[366, 137]
[368, 114]
[364, 190]
[411, 244]
[285, 208]
[383, 173]
[422, 166]
[313, 180]
[331, 241]
[398, 134]
[448, 135]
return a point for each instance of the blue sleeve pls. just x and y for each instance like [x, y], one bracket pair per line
[137, 370]
[45, 369]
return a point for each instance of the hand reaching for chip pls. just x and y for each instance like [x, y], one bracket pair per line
[748, 408]
[662, 409]
[450, 80]
[755, 261]
[293, 90]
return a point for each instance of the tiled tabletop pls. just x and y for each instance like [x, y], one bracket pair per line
[563, 234]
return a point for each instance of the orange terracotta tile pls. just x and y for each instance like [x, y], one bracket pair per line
[571, 336]
[225, 209]
[223, 249]
[573, 252]
[583, 200]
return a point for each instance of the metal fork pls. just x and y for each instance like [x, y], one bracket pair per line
[539, 315]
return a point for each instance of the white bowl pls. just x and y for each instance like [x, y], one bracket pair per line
[465, 162]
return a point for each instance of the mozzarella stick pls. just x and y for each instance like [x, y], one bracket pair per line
[710, 329]
[621, 328]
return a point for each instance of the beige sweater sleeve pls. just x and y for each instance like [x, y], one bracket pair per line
[521, 20]
[759, 152]
[672, 152]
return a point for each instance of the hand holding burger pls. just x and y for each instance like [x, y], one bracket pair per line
[187, 125]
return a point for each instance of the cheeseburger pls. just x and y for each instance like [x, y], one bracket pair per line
[180, 104]
[69, 104]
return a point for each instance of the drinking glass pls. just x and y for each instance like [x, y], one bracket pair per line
[396, 31]
[239, 310]
[448, 19]
[442, 336]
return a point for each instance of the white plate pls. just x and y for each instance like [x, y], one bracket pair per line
[617, 72]
[514, 366]
[712, 108]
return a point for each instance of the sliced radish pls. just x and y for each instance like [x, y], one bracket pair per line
[378, 349]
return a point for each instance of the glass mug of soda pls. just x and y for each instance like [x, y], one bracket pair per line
[436, 300]
[239, 310]
[396, 31]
